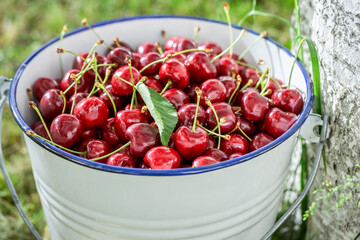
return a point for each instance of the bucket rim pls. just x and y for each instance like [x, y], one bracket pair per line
[153, 172]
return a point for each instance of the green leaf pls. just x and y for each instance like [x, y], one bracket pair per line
[163, 112]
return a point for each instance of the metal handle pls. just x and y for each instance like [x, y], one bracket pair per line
[323, 136]
[4, 87]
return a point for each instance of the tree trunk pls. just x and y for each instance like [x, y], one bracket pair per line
[334, 26]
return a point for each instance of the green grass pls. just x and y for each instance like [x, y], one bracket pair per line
[26, 25]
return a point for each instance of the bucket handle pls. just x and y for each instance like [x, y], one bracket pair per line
[307, 132]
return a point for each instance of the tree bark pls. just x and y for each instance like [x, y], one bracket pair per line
[335, 28]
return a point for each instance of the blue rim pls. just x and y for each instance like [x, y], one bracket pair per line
[146, 172]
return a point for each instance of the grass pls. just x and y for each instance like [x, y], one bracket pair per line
[26, 25]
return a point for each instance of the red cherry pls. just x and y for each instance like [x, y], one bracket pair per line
[190, 144]
[108, 133]
[235, 155]
[121, 88]
[180, 57]
[79, 96]
[43, 84]
[199, 67]
[216, 153]
[149, 58]
[82, 85]
[96, 148]
[288, 100]
[247, 126]
[204, 161]
[254, 106]
[121, 160]
[120, 101]
[249, 74]
[162, 158]
[223, 110]
[214, 90]
[89, 75]
[39, 129]
[135, 62]
[92, 111]
[278, 122]
[182, 44]
[186, 115]
[168, 45]
[236, 144]
[230, 86]
[125, 119]
[174, 71]
[228, 67]
[211, 143]
[176, 97]
[66, 130]
[147, 47]
[216, 49]
[89, 133]
[51, 104]
[78, 61]
[154, 83]
[273, 86]
[190, 91]
[260, 140]
[118, 56]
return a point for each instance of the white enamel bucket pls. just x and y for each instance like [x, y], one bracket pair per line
[235, 199]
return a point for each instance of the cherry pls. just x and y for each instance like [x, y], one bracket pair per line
[249, 74]
[146, 114]
[277, 122]
[234, 56]
[235, 155]
[43, 84]
[230, 84]
[228, 67]
[162, 158]
[119, 86]
[89, 133]
[176, 72]
[125, 150]
[51, 104]
[190, 91]
[121, 160]
[79, 60]
[147, 47]
[216, 49]
[66, 130]
[247, 126]
[125, 118]
[274, 87]
[241, 94]
[82, 84]
[39, 129]
[216, 153]
[186, 115]
[190, 144]
[108, 133]
[223, 110]
[90, 74]
[182, 44]
[122, 44]
[143, 165]
[288, 100]
[135, 62]
[118, 56]
[260, 140]
[254, 106]
[236, 144]
[154, 83]
[199, 67]
[211, 143]
[180, 57]
[143, 137]
[214, 90]
[168, 45]
[96, 148]
[177, 97]
[78, 97]
[149, 58]
[92, 111]
[120, 101]
[204, 161]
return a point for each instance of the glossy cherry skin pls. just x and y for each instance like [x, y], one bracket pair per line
[260, 140]
[143, 137]
[147, 47]
[162, 158]
[154, 83]
[237, 143]
[199, 67]
[274, 86]
[77, 98]
[176, 72]
[183, 44]
[82, 85]
[180, 57]
[247, 126]
[288, 100]
[230, 86]
[126, 118]
[121, 88]
[235, 155]
[146, 113]
[190, 144]
[96, 148]
[186, 115]
[168, 45]
[204, 161]
[211, 143]
[214, 90]
[108, 133]
[228, 67]
[176, 97]
[254, 106]
[190, 91]
[118, 56]
[223, 110]
[43, 84]
[89, 133]
[39, 129]
[241, 94]
[147, 59]
[120, 101]
[216, 153]
[66, 130]
[121, 160]
[78, 61]
[51, 104]
[249, 74]
[216, 49]
[90, 74]
[92, 111]
[278, 122]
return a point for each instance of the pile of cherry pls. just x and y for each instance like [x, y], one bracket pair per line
[225, 107]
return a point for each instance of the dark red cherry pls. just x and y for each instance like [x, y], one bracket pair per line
[147, 59]
[288, 100]
[162, 158]
[230, 86]
[154, 83]
[190, 91]
[235, 155]
[66, 130]
[118, 56]
[176, 72]
[146, 113]
[204, 161]
[274, 86]
[216, 49]
[82, 85]
[176, 97]
[223, 110]
[211, 143]
[51, 104]
[108, 133]
[121, 160]
[143, 137]
[126, 118]
[190, 144]
[247, 126]
[125, 150]
[260, 140]
[39, 129]
[168, 45]
[147, 47]
[78, 61]
[96, 148]
[249, 74]
[186, 115]
[180, 57]
[254, 106]
[228, 67]
[241, 94]
[89, 133]
[79, 96]
[214, 90]
[119, 86]
[277, 122]
[92, 111]
[143, 165]
[90, 74]
[135, 62]
[236, 144]
[120, 101]
[199, 67]
[216, 153]
[183, 44]
[43, 84]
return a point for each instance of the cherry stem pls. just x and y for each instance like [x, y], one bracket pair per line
[261, 78]
[262, 35]
[31, 133]
[245, 135]
[158, 46]
[61, 50]
[163, 34]
[30, 94]
[236, 127]
[62, 34]
[246, 85]
[247, 65]
[198, 94]
[64, 99]
[208, 102]
[99, 85]
[107, 74]
[230, 47]
[116, 41]
[33, 106]
[235, 90]
[196, 33]
[96, 75]
[296, 56]
[166, 87]
[226, 9]
[227, 137]
[162, 60]
[120, 78]
[133, 98]
[113, 152]
[266, 84]
[85, 23]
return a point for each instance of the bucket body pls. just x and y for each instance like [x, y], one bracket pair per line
[235, 199]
